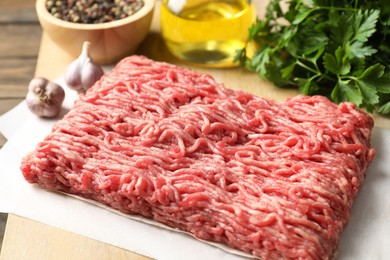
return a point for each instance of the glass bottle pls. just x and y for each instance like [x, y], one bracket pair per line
[206, 32]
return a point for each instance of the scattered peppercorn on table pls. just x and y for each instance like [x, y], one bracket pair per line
[28, 239]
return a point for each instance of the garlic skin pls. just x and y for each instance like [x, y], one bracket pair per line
[44, 97]
[82, 73]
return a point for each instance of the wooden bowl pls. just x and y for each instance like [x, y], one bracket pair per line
[110, 41]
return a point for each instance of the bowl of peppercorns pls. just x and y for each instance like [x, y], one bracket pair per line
[115, 28]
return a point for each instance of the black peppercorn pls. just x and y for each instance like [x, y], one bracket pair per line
[93, 11]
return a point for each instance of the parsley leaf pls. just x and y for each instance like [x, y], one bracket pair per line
[384, 109]
[338, 64]
[344, 91]
[365, 24]
[339, 49]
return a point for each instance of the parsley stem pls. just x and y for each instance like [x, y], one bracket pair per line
[333, 8]
[307, 67]
[348, 78]
[316, 71]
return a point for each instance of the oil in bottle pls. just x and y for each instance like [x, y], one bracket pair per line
[206, 32]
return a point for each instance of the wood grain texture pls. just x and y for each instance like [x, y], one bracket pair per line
[34, 240]
[15, 74]
[17, 11]
[19, 40]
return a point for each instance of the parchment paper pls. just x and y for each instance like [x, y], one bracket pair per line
[367, 236]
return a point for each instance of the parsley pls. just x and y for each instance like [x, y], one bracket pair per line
[336, 48]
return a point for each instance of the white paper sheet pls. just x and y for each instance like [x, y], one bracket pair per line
[10, 123]
[365, 237]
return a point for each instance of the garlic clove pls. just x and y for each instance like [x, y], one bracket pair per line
[44, 98]
[83, 73]
[72, 75]
[90, 74]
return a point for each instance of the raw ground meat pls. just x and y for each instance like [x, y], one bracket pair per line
[276, 180]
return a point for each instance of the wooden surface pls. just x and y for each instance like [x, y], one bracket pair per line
[27, 239]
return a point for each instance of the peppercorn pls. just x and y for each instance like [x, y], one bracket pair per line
[93, 11]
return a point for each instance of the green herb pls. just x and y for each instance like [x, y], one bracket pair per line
[336, 48]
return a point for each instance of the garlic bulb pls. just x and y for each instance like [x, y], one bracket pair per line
[44, 97]
[82, 73]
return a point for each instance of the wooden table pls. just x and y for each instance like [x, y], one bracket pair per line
[28, 239]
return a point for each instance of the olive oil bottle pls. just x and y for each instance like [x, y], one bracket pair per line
[206, 32]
